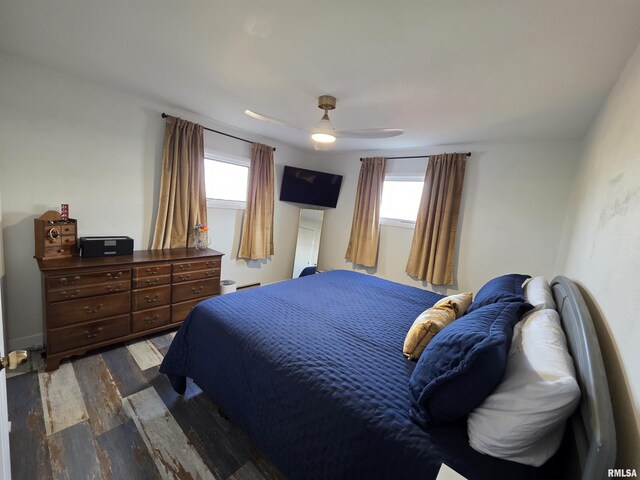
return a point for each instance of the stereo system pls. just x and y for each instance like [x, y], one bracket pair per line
[105, 246]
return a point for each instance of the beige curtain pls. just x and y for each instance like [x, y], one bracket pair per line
[183, 199]
[363, 241]
[257, 225]
[432, 248]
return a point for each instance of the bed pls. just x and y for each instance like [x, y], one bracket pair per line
[312, 370]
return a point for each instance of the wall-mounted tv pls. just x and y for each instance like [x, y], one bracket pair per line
[310, 187]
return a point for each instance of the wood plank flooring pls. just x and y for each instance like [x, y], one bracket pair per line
[111, 415]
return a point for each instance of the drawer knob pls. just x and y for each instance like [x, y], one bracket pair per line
[197, 290]
[90, 311]
[70, 294]
[148, 283]
[184, 277]
[111, 288]
[185, 266]
[66, 281]
[155, 298]
[152, 271]
[95, 333]
[150, 320]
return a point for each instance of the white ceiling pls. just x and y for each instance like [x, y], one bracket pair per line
[447, 72]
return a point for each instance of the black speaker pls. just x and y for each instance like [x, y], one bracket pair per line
[105, 246]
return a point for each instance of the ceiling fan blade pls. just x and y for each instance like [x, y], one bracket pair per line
[370, 133]
[266, 118]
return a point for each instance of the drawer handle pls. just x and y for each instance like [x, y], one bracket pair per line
[71, 294]
[148, 283]
[150, 320]
[93, 335]
[197, 290]
[184, 277]
[90, 311]
[66, 281]
[210, 274]
[112, 276]
[185, 266]
[152, 271]
[114, 289]
[211, 264]
[155, 298]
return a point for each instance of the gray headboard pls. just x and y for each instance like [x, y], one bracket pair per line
[591, 429]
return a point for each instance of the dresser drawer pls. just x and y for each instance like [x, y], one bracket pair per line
[151, 297]
[64, 281]
[151, 270]
[67, 229]
[198, 289]
[213, 274]
[74, 292]
[147, 319]
[51, 234]
[59, 250]
[86, 309]
[209, 264]
[145, 282]
[68, 240]
[76, 336]
[179, 311]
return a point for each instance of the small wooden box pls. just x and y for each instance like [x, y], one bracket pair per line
[55, 238]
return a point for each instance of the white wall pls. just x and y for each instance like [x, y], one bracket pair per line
[511, 216]
[5, 462]
[66, 140]
[602, 243]
[2, 323]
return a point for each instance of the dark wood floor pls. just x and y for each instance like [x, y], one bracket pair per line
[111, 415]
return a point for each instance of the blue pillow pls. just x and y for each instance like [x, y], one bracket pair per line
[507, 288]
[463, 363]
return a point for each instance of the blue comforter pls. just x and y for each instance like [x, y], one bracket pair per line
[312, 369]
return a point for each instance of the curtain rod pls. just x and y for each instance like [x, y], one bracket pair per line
[164, 115]
[416, 156]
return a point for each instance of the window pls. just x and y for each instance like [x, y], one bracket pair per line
[400, 201]
[225, 181]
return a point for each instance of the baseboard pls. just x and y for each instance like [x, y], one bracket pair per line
[26, 343]
[248, 286]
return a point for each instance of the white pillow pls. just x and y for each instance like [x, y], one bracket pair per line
[538, 293]
[523, 419]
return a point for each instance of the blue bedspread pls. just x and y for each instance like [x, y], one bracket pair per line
[312, 369]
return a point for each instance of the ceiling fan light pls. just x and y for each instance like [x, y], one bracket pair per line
[323, 133]
[323, 137]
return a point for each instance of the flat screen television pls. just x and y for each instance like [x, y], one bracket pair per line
[310, 187]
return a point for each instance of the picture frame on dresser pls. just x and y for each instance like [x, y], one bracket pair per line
[90, 303]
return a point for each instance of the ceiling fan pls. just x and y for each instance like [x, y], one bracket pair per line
[324, 133]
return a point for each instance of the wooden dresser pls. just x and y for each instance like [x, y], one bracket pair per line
[93, 302]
